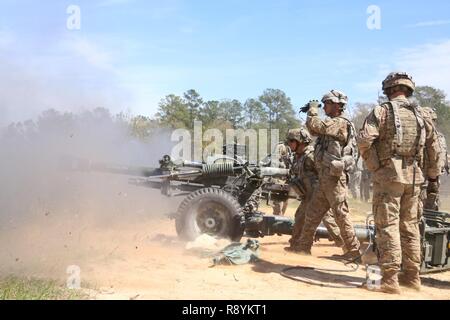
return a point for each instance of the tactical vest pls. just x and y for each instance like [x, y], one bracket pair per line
[329, 151]
[306, 177]
[402, 134]
[301, 163]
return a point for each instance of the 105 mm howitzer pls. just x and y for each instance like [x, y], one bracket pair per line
[222, 199]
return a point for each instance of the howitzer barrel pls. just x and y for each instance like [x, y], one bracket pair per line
[77, 164]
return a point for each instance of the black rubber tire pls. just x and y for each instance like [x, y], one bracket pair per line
[186, 222]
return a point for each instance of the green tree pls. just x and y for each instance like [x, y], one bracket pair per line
[436, 99]
[210, 113]
[254, 113]
[280, 111]
[193, 102]
[232, 112]
[173, 112]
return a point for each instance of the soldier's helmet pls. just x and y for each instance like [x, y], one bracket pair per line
[431, 113]
[301, 135]
[398, 78]
[336, 96]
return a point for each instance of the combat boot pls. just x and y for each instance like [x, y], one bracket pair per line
[292, 249]
[410, 280]
[304, 251]
[389, 283]
[352, 256]
[298, 250]
[391, 288]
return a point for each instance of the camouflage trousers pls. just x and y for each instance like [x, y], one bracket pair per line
[328, 221]
[279, 207]
[396, 208]
[355, 183]
[331, 194]
[365, 186]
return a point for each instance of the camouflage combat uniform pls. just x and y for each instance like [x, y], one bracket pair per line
[355, 179]
[331, 192]
[430, 190]
[282, 160]
[366, 179]
[391, 155]
[306, 176]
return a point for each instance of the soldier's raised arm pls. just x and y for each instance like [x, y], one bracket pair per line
[333, 127]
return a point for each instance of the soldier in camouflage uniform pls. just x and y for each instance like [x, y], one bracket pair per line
[430, 195]
[335, 154]
[304, 182]
[282, 159]
[365, 184]
[392, 142]
[355, 179]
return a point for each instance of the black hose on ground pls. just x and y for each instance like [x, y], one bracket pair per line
[354, 267]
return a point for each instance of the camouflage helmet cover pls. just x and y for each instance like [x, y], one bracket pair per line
[336, 96]
[398, 78]
[301, 135]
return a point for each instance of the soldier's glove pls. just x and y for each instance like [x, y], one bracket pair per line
[313, 104]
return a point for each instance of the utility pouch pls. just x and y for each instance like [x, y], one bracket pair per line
[371, 160]
[337, 168]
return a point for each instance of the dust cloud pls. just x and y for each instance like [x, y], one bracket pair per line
[51, 217]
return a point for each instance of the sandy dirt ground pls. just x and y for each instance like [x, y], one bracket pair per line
[138, 256]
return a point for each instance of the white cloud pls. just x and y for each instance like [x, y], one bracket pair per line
[73, 73]
[90, 52]
[429, 24]
[429, 64]
[6, 38]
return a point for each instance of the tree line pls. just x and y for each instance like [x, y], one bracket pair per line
[273, 109]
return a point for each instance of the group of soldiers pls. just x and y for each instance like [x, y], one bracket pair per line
[398, 147]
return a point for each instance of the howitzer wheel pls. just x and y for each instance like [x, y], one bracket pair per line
[209, 211]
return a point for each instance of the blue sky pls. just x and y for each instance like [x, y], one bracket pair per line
[129, 54]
